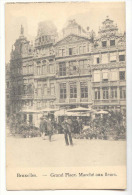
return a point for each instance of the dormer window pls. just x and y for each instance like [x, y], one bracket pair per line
[112, 42]
[104, 43]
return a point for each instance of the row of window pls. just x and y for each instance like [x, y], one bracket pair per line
[105, 76]
[84, 91]
[43, 89]
[105, 58]
[73, 90]
[72, 51]
[106, 94]
[40, 70]
[28, 69]
[72, 67]
[111, 43]
[44, 38]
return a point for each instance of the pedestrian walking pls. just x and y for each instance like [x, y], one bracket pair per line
[43, 127]
[49, 128]
[67, 128]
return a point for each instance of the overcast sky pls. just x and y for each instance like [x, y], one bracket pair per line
[86, 14]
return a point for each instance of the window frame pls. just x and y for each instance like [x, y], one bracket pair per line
[83, 90]
[122, 79]
[111, 42]
[121, 58]
[73, 90]
[62, 69]
[103, 43]
[97, 94]
[113, 92]
[122, 93]
[105, 93]
[63, 91]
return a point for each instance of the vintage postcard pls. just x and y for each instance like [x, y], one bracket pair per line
[65, 95]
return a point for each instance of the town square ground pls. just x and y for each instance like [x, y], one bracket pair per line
[35, 152]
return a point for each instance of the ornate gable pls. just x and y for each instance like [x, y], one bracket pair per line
[71, 39]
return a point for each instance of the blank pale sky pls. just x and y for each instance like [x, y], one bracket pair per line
[86, 14]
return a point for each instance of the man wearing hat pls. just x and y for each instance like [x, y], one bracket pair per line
[67, 128]
[43, 126]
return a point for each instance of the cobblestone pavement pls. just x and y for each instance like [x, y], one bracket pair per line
[35, 152]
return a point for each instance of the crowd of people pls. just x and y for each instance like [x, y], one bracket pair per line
[109, 126]
[68, 126]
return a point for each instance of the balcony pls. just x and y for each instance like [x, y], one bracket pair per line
[72, 100]
[63, 101]
[44, 75]
[45, 97]
[107, 84]
[75, 73]
[114, 83]
[107, 102]
[84, 100]
[109, 65]
[67, 101]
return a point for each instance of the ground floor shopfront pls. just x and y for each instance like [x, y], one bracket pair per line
[33, 117]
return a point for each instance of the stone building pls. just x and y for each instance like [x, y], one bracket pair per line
[109, 68]
[73, 65]
[78, 70]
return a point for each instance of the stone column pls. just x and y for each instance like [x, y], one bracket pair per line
[68, 90]
[27, 118]
[108, 57]
[118, 93]
[35, 88]
[67, 68]
[109, 91]
[90, 91]
[78, 91]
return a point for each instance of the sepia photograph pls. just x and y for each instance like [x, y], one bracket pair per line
[65, 95]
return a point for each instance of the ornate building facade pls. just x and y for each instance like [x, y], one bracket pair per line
[78, 70]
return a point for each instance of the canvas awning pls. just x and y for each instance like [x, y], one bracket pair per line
[79, 109]
[102, 112]
[30, 111]
[65, 113]
[49, 110]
